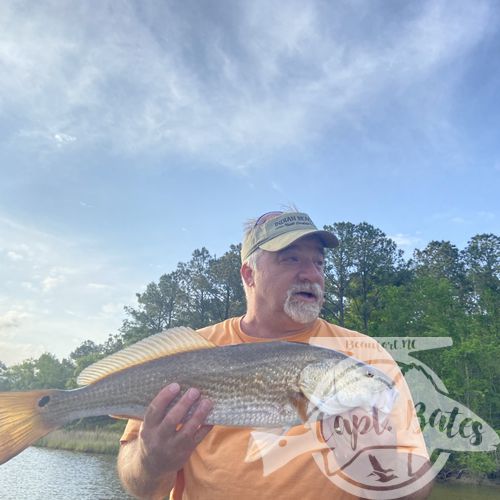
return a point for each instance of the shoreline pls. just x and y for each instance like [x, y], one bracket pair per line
[98, 441]
[469, 481]
[107, 442]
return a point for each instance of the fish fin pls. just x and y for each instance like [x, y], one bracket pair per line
[21, 421]
[162, 344]
[276, 431]
[330, 406]
[124, 417]
[301, 405]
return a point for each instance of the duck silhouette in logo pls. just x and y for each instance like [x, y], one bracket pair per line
[378, 470]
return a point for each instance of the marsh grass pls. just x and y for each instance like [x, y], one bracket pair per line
[88, 441]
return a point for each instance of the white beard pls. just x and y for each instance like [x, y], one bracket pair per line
[300, 311]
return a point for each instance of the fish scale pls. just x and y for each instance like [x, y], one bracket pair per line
[252, 390]
[252, 385]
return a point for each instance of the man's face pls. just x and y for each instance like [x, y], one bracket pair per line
[292, 280]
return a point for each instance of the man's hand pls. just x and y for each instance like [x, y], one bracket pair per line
[148, 465]
[164, 447]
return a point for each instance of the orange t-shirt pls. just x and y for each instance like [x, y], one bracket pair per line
[217, 467]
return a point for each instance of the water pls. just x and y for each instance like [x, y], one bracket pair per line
[41, 473]
[464, 492]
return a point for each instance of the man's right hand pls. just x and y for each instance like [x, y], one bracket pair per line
[148, 465]
[165, 448]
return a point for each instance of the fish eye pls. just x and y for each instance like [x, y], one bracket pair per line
[42, 402]
[369, 374]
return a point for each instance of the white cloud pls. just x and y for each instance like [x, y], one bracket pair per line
[276, 187]
[465, 218]
[406, 242]
[98, 286]
[14, 352]
[14, 255]
[51, 282]
[62, 139]
[257, 76]
[485, 215]
[112, 309]
[63, 290]
[404, 239]
[12, 319]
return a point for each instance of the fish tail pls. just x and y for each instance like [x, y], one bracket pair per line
[22, 421]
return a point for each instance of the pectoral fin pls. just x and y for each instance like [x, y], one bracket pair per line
[303, 406]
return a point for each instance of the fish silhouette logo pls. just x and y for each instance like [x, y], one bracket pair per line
[357, 452]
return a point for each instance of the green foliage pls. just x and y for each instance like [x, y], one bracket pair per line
[46, 371]
[472, 465]
[356, 272]
[88, 441]
[200, 292]
[4, 380]
[441, 291]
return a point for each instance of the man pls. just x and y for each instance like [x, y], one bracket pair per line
[283, 276]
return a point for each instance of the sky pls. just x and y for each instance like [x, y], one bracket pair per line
[133, 133]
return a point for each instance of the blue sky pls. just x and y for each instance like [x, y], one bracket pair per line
[132, 133]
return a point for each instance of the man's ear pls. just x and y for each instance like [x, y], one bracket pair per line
[247, 274]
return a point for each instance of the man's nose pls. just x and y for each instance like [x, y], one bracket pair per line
[310, 271]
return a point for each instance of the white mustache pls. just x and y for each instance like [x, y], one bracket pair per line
[312, 288]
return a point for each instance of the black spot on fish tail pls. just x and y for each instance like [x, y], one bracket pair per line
[43, 401]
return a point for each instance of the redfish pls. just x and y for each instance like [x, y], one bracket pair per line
[266, 384]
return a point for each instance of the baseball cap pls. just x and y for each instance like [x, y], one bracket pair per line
[274, 231]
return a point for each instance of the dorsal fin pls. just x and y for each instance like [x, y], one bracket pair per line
[162, 344]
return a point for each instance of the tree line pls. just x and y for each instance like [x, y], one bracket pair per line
[370, 287]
